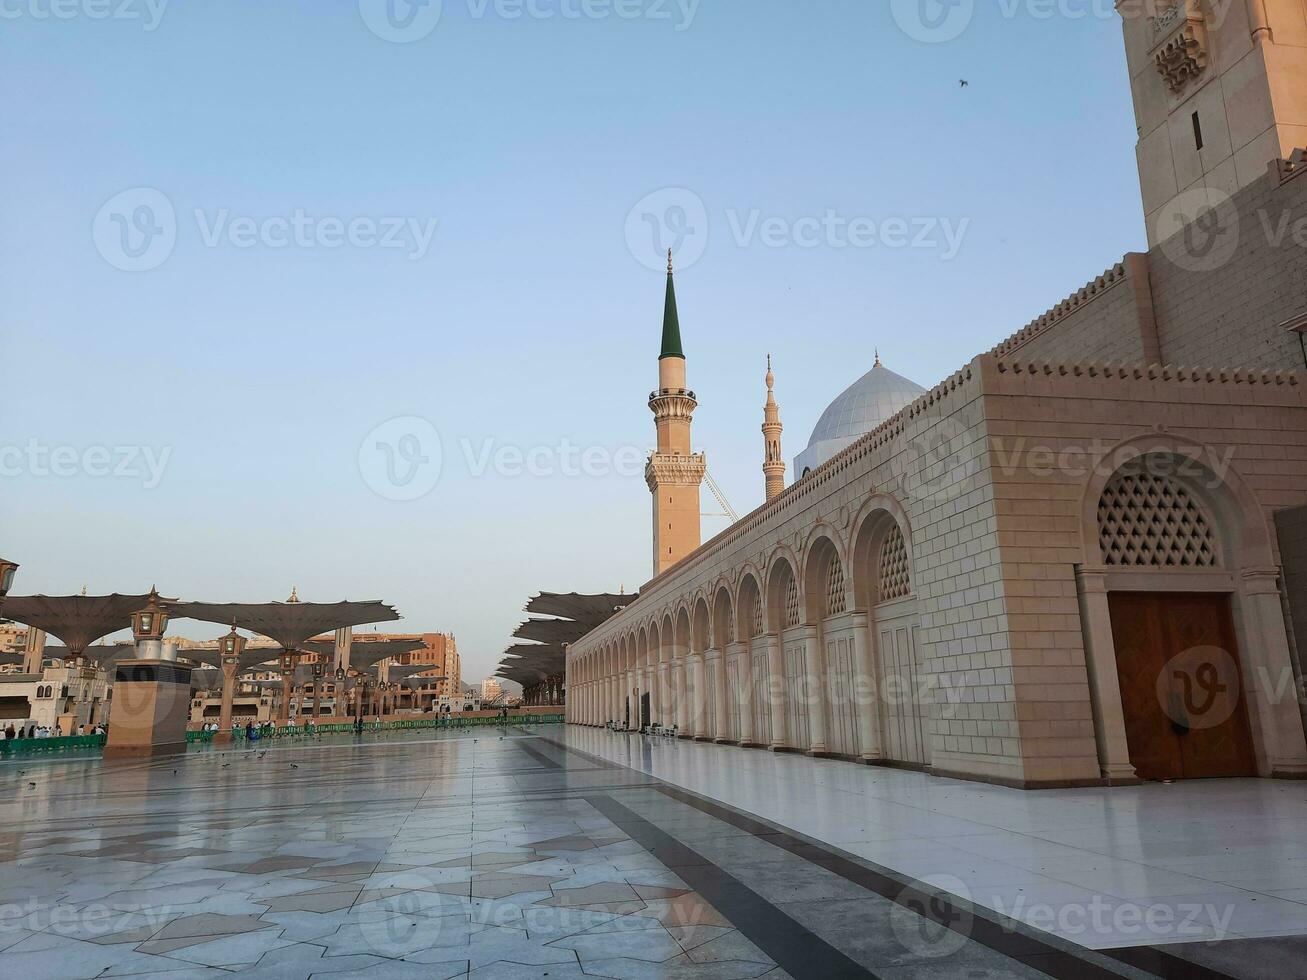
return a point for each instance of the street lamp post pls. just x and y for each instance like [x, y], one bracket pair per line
[287, 681]
[148, 626]
[230, 648]
[7, 571]
[319, 668]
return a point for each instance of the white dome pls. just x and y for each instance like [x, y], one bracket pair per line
[863, 406]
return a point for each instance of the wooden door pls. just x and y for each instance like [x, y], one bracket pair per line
[903, 701]
[842, 693]
[1182, 689]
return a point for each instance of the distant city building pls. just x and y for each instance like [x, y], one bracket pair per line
[491, 689]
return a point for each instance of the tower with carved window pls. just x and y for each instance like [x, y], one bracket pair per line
[674, 472]
[1218, 96]
[773, 464]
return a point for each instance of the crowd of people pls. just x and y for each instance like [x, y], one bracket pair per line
[50, 731]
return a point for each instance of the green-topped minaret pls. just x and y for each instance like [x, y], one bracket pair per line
[674, 471]
[671, 321]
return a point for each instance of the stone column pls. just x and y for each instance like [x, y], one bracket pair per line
[1105, 685]
[814, 690]
[699, 678]
[680, 672]
[223, 734]
[664, 716]
[719, 697]
[776, 692]
[1268, 674]
[631, 709]
[287, 679]
[655, 692]
[151, 707]
[319, 671]
[866, 700]
[744, 674]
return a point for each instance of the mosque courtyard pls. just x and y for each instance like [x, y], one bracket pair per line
[565, 852]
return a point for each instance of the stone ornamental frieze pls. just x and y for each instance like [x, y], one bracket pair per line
[1180, 44]
[675, 470]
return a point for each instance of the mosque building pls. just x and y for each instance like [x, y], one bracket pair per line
[1081, 559]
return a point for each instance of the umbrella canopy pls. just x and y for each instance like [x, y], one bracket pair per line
[213, 657]
[582, 608]
[552, 631]
[102, 655]
[364, 653]
[572, 616]
[416, 682]
[290, 624]
[78, 620]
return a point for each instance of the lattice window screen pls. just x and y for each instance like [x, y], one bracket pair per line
[791, 601]
[756, 621]
[895, 579]
[1147, 521]
[834, 586]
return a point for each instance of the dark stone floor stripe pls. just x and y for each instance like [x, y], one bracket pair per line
[1157, 961]
[981, 925]
[998, 935]
[797, 950]
[539, 756]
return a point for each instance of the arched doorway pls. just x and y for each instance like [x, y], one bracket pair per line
[883, 573]
[827, 607]
[703, 677]
[1172, 607]
[728, 704]
[783, 593]
[751, 629]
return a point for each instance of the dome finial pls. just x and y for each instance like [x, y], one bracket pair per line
[877, 364]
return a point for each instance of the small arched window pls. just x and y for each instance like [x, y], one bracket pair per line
[791, 601]
[894, 581]
[1146, 520]
[835, 602]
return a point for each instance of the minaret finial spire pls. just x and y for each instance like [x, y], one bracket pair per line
[669, 261]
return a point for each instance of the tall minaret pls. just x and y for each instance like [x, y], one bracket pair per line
[773, 465]
[674, 473]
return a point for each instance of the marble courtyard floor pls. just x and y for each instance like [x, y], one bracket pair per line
[566, 852]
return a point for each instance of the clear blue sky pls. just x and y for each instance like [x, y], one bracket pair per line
[529, 319]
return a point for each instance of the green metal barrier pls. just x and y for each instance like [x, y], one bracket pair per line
[453, 722]
[35, 746]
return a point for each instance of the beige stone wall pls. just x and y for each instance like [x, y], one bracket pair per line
[1220, 309]
[988, 475]
[1052, 428]
[1231, 315]
[1109, 319]
[931, 464]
